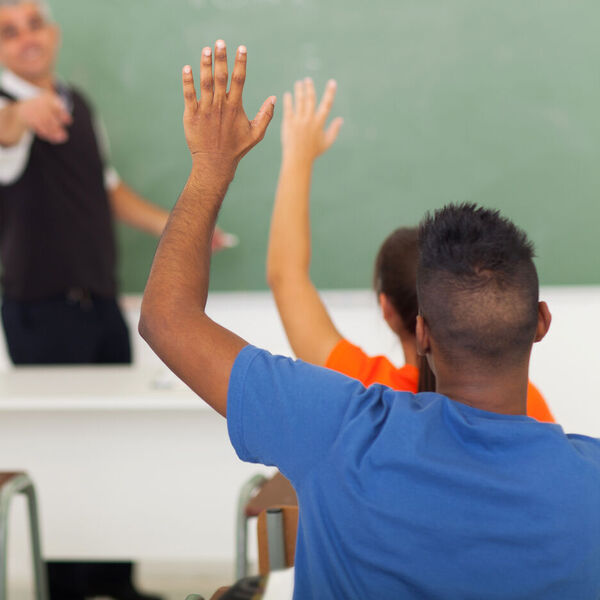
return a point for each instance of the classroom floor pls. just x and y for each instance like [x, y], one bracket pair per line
[174, 581]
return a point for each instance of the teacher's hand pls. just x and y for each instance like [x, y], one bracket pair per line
[46, 116]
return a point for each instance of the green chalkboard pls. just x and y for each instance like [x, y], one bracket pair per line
[443, 100]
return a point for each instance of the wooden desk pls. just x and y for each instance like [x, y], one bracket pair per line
[128, 463]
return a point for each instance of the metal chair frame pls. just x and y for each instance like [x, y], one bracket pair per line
[241, 536]
[22, 484]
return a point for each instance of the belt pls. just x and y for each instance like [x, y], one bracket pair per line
[81, 296]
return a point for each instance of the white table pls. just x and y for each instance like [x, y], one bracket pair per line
[97, 388]
[128, 462]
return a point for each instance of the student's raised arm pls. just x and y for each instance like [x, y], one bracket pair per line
[308, 326]
[173, 321]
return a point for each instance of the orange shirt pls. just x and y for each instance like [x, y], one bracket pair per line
[351, 360]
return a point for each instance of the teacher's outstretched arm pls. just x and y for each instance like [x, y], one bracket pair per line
[173, 319]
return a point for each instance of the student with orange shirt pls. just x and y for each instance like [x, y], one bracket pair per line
[309, 328]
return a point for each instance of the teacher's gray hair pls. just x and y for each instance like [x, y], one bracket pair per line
[41, 4]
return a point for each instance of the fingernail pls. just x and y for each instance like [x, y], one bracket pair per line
[220, 44]
[207, 51]
[273, 100]
[307, 80]
[242, 50]
[187, 69]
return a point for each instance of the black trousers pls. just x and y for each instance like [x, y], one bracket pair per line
[77, 328]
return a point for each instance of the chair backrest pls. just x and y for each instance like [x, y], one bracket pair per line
[282, 523]
[276, 491]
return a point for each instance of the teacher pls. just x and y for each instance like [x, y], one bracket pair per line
[58, 198]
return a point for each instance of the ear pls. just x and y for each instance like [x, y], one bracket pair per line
[387, 310]
[391, 316]
[544, 320]
[422, 337]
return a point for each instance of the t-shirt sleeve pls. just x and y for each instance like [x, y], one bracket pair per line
[13, 159]
[287, 413]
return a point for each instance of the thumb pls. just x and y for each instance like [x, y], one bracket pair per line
[333, 131]
[263, 118]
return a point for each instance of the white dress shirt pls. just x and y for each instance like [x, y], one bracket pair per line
[13, 159]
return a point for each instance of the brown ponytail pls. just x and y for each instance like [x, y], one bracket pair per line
[395, 275]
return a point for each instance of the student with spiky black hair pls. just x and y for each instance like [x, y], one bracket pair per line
[455, 494]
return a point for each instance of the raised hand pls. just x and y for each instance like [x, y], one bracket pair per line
[303, 133]
[46, 116]
[173, 318]
[304, 137]
[217, 130]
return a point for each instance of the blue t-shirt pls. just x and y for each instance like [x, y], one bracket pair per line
[418, 496]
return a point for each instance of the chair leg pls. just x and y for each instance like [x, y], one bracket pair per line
[241, 543]
[3, 546]
[39, 565]
[22, 484]
[275, 539]
[241, 558]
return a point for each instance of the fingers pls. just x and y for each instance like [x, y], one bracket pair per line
[310, 96]
[238, 77]
[221, 74]
[332, 132]
[327, 101]
[288, 105]
[189, 90]
[306, 99]
[299, 97]
[58, 110]
[221, 240]
[263, 118]
[63, 116]
[217, 132]
[52, 131]
[206, 78]
[53, 120]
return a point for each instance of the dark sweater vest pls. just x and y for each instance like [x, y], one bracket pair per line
[56, 229]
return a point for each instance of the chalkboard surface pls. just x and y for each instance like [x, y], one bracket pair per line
[443, 100]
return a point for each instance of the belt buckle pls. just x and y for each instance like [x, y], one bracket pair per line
[81, 296]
